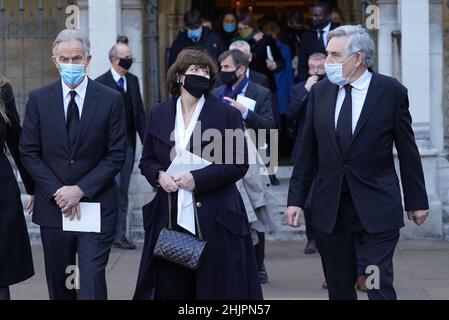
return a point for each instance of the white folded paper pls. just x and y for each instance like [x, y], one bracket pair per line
[269, 54]
[90, 219]
[247, 102]
[186, 162]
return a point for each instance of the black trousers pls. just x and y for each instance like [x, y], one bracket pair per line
[339, 255]
[60, 249]
[4, 294]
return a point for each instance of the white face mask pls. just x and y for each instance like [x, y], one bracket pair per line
[334, 72]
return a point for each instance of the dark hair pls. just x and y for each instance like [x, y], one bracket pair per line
[295, 16]
[5, 90]
[122, 39]
[247, 20]
[239, 58]
[325, 6]
[272, 28]
[192, 19]
[185, 59]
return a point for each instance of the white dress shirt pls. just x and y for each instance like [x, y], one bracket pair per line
[326, 30]
[79, 98]
[117, 77]
[359, 92]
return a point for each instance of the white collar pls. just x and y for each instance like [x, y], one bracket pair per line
[326, 28]
[80, 89]
[116, 75]
[183, 134]
[363, 82]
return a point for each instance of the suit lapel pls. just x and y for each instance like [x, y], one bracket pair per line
[57, 106]
[329, 108]
[372, 97]
[88, 113]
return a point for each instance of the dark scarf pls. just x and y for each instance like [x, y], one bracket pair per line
[228, 92]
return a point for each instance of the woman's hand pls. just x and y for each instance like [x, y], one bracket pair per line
[167, 182]
[186, 182]
[30, 205]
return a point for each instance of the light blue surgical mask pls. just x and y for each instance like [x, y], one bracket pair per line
[72, 74]
[229, 27]
[334, 72]
[195, 35]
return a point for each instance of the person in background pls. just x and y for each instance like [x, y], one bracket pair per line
[295, 29]
[261, 44]
[315, 39]
[196, 36]
[336, 17]
[119, 78]
[206, 23]
[234, 64]
[228, 26]
[16, 260]
[284, 82]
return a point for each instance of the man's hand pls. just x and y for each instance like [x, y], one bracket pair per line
[292, 216]
[186, 182]
[74, 212]
[68, 197]
[30, 205]
[167, 182]
[271, 65]
[310, 82]
[240, 107]
[418, 216]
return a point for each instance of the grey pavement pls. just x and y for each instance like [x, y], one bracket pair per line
[421, 272]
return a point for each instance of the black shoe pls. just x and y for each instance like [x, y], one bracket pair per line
[263, 275]
[310, 247]
[124, 244]
[274, 180]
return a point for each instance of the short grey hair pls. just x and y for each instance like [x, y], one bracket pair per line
[240, 44]
[317, 56]
[69, 35]
[359, 41]
[113, 52]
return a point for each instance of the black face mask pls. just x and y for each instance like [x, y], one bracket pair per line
[317, 23]
[196, 85]
[229, 77]
[126, 63]
[321, 76]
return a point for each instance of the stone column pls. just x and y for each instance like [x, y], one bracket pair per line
[416, 76]
[104, 26]
[388, 12]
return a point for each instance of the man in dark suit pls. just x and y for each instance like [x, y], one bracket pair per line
[315, 39]
[252, 75]
[73, 144]
[234, 65]
[119, 79]
[297, 112]
[354, 117]
[195, 35]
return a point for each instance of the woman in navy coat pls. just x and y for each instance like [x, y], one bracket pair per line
[228, 267]
[16, 262]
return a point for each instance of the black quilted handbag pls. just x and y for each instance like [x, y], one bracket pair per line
[178, 247]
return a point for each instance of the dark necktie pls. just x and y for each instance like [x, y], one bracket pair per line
[121, 84]
[344, 123]
[321, 38]
[73, 120]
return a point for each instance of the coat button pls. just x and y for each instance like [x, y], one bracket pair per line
[198, 204]
[72, 161]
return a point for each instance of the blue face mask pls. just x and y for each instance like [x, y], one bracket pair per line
[195, 35]
[229, 27]
[334, 72]
[72, 74]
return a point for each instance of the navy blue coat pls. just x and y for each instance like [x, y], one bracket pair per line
[368, 164]
[297, 111]
[96, 159]
[16, 261]
[228, 269]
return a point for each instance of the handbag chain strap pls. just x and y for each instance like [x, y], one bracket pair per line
[197, 221]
